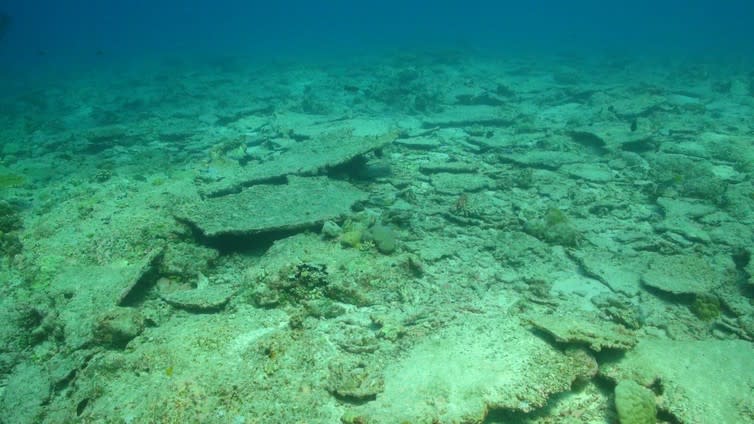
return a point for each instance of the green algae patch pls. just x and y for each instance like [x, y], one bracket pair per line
[11, 181]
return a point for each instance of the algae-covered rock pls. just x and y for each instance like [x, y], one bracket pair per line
[10, 220]
[635, 403]
[118, 326]
[383, 237]
[186, 259]
[706, 306]
[295, 284]
[351, 238]
[355, 379]
[554, 228]
[11, 181]
[323, 308]
[331, 230]
[201, 299]
[10, 244]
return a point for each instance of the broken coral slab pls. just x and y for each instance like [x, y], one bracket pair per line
[201, 299]
[311, 156]
[26, 391]
[691, 374]
[420, 142]
[682, 274]
[473, 365]
[449, 167]
[301, 203]
[612, 135]
[543, 159]
[203, 359]
[301, 126]
[504, 140]
[594, 172]
[450, 183]
[685, 208]
[469, 116]
[680, 217]
[680, 228]
[614, 270]
[583, 328]
[83, 289]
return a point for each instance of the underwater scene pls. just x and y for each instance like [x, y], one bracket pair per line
[377, 212]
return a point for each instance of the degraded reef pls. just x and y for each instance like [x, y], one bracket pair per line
[418, 239]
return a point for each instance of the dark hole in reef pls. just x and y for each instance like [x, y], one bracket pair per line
[253, 244]
[353, 400]
[256, 243]
[139, 291]
[509, 416]
[81, 406]
[640, 146]
[741, 257]
[591, 142]
[362, 168]
[666, 417]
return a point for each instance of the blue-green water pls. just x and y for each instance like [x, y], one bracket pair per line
[72, 33]
[376, 212]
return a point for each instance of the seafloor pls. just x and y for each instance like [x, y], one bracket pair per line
[413, 238]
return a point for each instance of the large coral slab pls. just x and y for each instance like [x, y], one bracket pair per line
[469, 367]
[302, 203]
[310, 157]
[573, 326]
[684, 274]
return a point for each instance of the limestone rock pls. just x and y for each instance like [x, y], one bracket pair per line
[118, 326]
